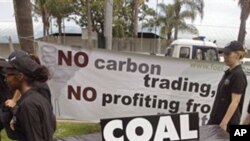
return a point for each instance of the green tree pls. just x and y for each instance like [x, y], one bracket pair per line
[245, 11]
[60, 9]
[41, 8]
[193, 7]
[96, 13]
[24, 24]
[123, 25]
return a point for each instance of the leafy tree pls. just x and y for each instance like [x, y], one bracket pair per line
[96, 12]
[245, 11]
[60, 9]
[123, 25]
[41, 8]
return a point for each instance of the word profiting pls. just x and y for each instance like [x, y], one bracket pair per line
[141, 100]
[181, 84]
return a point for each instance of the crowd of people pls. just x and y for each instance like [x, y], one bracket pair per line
[25, 100]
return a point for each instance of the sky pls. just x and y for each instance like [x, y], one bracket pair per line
[223, 15]
[216, 12]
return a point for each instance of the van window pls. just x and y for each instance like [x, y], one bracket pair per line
[211, 55]
[184, 52]
[205, 53]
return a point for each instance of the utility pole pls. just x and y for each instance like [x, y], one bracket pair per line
[108, 22]
[90, 43]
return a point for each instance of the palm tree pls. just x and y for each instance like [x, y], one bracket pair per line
[167, 20]
[192, 8]
[24, 24]
[245, 11]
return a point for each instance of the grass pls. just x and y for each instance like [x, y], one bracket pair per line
[67, 129]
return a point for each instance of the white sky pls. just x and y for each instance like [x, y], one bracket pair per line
[221, 18]
[216, 12]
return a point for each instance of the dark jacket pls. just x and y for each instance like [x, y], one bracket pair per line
[35, 120]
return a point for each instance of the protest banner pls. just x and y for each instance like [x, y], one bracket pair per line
[90, 84]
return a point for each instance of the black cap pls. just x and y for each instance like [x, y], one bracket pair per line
[233, 46]
[4, 63]
[22, 62]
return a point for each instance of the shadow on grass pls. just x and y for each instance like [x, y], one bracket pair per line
[68, 129]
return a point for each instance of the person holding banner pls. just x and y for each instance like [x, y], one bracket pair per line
[33, 119]
[42, 88]
[5, 111]
[228, 103]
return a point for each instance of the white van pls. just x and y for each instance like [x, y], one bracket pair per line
[193, 49]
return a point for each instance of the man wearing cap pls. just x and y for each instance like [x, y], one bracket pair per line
[33, 120]
[228, 103]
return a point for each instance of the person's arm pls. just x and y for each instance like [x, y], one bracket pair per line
[12, 102]
[230, 111]
[246, 120]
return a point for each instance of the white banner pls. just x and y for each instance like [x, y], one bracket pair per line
[90, 84]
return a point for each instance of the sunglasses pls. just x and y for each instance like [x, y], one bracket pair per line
[227, 54]
[10, 74]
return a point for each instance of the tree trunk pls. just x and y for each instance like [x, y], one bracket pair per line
[24, 24]
[45, 20]
[243, 18]
[242, 31]
[177, 18]
[135, 23]
[169, 34]
[59, 24]
[135, 18]
[90, 43]
[176, 30]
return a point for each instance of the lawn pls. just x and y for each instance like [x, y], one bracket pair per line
[67, 129]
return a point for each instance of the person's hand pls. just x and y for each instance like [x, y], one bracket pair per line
[12, 124]
[10, 103]
[223, 126]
